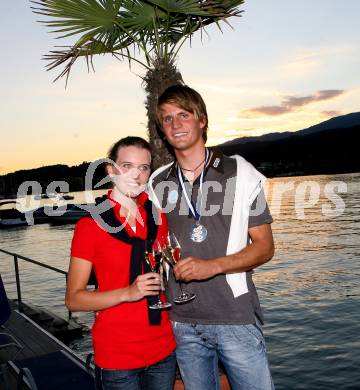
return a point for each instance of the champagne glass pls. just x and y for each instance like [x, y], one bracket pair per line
[154, 259]
[172, 254]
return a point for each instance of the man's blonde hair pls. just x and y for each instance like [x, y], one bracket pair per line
[186, 98]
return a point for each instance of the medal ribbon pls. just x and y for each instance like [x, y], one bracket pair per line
[196, 214]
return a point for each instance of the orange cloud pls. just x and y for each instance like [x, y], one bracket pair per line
[266, 110]
[290, 103]
[331, 113]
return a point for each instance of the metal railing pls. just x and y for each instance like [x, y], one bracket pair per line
[17, 257]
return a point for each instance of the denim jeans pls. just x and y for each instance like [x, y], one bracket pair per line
[240, 348]
[159, 376]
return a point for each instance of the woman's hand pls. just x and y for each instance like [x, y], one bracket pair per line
[78, 298]
[144, 285]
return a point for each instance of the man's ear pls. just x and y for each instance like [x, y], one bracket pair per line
[110, 170]
[202, 122]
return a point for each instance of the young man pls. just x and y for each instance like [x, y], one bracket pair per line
[216, 207]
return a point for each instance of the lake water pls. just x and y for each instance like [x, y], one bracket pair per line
[309, 290]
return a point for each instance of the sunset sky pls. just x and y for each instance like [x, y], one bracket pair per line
[285, 65]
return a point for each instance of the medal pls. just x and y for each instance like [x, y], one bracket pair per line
[198, 232]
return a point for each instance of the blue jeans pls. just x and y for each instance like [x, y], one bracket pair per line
[159, 376]
[240, 348]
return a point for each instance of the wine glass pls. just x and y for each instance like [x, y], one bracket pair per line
[172, 254]
[154, 259]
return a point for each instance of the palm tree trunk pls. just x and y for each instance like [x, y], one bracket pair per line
[156, 80]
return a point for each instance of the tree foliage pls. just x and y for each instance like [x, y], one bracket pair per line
[143, 31]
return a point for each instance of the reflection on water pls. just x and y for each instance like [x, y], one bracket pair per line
[309, 291]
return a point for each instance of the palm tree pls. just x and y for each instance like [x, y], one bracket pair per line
[149, 33]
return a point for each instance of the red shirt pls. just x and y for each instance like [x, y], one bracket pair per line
[122, 335]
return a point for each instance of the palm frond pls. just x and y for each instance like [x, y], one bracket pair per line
[74, 17]
[154, 28]
[192, 7]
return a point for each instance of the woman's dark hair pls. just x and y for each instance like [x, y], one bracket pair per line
[127, 141]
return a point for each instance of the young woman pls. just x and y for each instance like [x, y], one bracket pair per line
[133, 345]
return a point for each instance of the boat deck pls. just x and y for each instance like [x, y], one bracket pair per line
[36, 341]
[32, 337]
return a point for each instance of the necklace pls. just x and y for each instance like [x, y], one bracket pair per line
[198, 232]
[193, 170]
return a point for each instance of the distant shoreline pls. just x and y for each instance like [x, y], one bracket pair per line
[285, 175]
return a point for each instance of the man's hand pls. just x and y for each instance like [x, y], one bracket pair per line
[253, 255]
[193, 268]
[143, 285]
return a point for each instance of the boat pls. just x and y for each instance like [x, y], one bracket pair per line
[71, 214]
[66, 197]
[39, 215]
[49, 196]
[58, 197]
[29, 343]
[45, 196]
[4, 202]
[59, 213]
[28, 323]
[10, 218]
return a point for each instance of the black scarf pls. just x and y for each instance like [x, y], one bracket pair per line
[137, 260]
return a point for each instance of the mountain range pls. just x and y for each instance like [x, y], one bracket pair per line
[328, 147]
